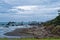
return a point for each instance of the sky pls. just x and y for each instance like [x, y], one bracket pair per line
[28, 10]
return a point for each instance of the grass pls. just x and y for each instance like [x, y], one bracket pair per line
[29, 39]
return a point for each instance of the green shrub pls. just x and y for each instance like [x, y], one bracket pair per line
[56, 30]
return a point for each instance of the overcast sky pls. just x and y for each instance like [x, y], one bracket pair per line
[28, 10]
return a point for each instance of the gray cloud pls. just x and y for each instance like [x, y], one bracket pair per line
[45, 10]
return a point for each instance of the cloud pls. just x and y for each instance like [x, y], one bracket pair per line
[34, 2]
[19, 10]
[42, 10]
[26, 7]
[4, 7]
[35, 6]
[23, 9]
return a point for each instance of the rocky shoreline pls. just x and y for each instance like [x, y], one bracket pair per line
[37, 32]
